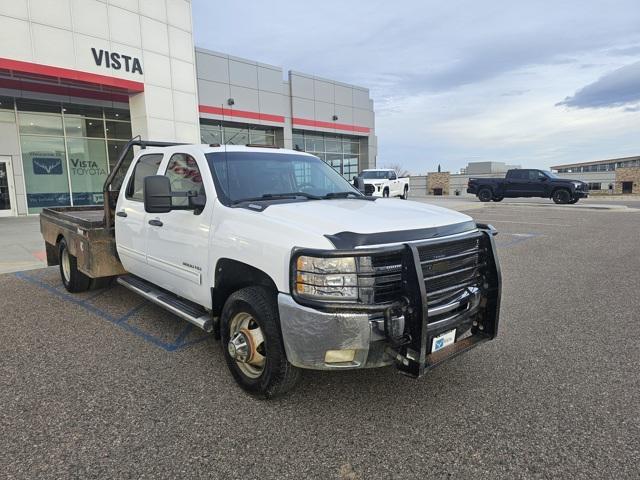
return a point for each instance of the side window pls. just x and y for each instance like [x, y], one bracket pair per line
[184, 176]
[519, 175]
[392, 175]
[147, 165]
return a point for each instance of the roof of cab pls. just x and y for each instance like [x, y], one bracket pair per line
[205, 148]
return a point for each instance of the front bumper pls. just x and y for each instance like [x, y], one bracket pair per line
[398, 334]
[373, 190]
[580, 194]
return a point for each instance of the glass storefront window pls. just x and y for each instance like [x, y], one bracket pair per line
[332, 144]
[211, 135]
[26, 105]
[114, 149]
[39, 124]
[45, 172]
[231, 133]
[341, 152]
[65, 152]
[117, 114]
[83, 127]
[313, 143]
[119, 130]
[236, 136]
[82, 110]
[87, 169]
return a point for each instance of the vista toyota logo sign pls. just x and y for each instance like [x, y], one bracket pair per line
[116, 61]
[47, 166]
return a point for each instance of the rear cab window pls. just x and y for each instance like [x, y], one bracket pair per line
[184, 176]
[146, 165]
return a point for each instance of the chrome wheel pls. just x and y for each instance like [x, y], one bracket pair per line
[66, 265]
[246, 345]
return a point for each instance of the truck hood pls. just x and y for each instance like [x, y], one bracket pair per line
[328, 217]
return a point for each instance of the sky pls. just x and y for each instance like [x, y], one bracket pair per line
[535, 83]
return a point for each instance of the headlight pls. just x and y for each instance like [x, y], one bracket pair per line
[577, 184]
[326, 278]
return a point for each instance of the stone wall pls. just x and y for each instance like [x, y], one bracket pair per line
[437, 180]
[627, 174]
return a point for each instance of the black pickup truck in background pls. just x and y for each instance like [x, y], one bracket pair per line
[524, 182]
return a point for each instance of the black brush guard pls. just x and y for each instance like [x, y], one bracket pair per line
[410, 348]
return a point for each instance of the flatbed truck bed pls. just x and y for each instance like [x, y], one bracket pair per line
[87, 237]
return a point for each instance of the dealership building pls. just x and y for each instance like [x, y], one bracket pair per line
[78, 78]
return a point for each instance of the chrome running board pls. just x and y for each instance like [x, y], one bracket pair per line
[184, 309]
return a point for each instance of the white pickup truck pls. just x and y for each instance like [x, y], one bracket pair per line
[384, 182]
[290, 266]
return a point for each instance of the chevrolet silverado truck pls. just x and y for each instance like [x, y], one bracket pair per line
[524, 182]
[280, 258]
[384, 182]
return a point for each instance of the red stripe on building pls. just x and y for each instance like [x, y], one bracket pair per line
[336, 126]
[62, 90]
[230, 112]
[58, 72]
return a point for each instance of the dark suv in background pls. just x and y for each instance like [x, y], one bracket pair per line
[524, 182]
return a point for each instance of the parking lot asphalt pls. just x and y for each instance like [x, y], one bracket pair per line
[104, 385]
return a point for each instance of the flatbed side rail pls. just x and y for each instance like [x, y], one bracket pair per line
[106, 189]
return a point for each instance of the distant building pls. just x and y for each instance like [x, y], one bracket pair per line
[618, 175]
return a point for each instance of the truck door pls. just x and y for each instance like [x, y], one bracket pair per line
[177, 241]
[393, 184]
[539, 183]
[130, 215]
[517, 183]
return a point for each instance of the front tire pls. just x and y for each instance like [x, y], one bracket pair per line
[574, 201]
[252, 343]
[73, 279]
[485, 195]
[561, 196]
[385, 193]
[405, 195]
[498, 199]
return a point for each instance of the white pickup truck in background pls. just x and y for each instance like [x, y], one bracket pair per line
[384, 182]
[284, 261]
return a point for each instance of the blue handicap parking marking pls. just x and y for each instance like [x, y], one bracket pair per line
[186, 336]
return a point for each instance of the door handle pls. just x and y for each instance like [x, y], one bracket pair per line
[155, 223]
[121, 213]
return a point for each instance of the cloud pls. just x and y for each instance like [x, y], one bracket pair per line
[633, 51]
[615, 89]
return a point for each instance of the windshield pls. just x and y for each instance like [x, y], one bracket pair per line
[251, 175]
[376, 174]
[550, 174]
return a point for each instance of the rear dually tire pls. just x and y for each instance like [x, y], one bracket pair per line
[73, 279]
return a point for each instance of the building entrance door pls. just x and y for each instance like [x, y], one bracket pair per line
[627, 187]
[7, 192]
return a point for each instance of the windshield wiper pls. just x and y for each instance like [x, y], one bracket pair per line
[278, 196]
[343, 195]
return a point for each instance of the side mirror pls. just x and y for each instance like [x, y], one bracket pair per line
[358, 182]
[544, 179]
[157, 194]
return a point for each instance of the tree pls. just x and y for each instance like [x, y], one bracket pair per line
[400, 170]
